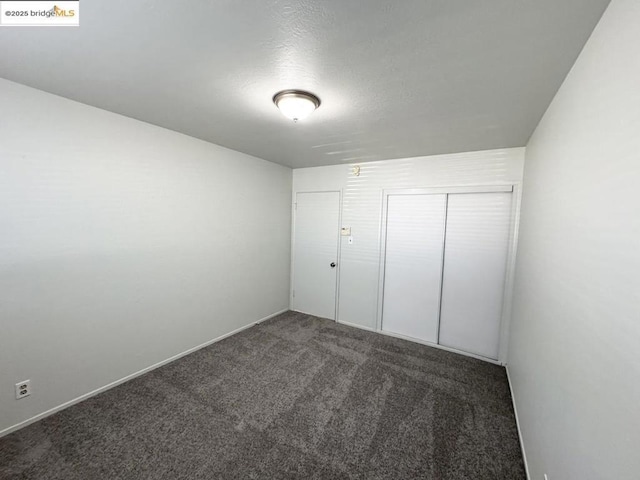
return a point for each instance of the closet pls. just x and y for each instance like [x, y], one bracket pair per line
[444, 261]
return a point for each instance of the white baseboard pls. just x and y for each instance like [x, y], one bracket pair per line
[355, 325]
[515, 411]
[104, 388]
[421, 342]
[440, 347]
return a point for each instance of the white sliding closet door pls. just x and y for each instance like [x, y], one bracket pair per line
[413, 265]
[477, 244]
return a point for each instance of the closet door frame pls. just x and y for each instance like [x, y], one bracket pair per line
[515, 190]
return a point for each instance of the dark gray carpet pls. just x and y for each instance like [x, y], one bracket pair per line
[294, 397]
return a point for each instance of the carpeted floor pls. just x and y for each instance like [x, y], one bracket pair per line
[294, 397]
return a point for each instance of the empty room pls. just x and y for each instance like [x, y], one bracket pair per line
[320, 240]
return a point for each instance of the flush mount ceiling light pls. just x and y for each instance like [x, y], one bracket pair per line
[296, 104]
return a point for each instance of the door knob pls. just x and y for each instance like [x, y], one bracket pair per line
[333, 264]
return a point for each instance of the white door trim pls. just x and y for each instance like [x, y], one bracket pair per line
[452, 189]
[338, 255]
[514, 228]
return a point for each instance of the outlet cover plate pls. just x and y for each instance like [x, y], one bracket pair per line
[23, 389]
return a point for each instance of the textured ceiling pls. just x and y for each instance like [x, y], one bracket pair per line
[396, 79]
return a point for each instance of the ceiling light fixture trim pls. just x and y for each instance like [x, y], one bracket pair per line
[296, 104]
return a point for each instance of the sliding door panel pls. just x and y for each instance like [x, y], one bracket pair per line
[413, 265]
[477, 244]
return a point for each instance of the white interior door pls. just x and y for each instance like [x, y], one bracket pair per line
[413, 265]
[317, 230]
[474, 271]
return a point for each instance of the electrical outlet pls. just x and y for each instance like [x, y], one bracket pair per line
[23, 389]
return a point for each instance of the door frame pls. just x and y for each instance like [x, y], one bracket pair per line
[294, 207]
[505, 315]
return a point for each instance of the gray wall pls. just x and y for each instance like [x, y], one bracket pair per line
[123, 244]
[574, 356]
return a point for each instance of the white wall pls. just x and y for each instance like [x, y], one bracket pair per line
[574, 357]
[362, 209]
[123, 244]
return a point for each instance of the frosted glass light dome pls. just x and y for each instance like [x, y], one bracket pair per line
[296, 104]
